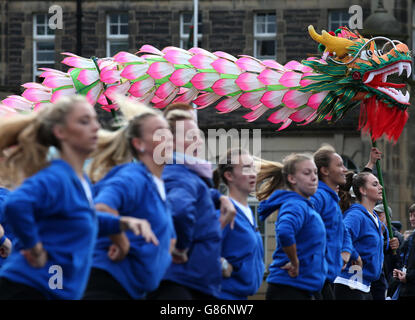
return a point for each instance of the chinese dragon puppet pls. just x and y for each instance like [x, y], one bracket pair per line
[351, 70]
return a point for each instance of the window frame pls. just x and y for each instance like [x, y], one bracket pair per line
[184, 37]
[116, 38]
[40, 38]
[261, 36]
[330, 20]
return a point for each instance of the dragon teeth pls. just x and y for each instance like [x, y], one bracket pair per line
[370, 77]
[408, 69]
[399, 67]
[395, 94]
[407, 96]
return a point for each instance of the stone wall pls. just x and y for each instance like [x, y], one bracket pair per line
[227, 26]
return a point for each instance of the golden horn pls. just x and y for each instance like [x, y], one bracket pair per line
[333, 44]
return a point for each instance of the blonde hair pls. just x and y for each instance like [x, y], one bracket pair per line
[115, 147]
[322, 157]
[273, 175]
[175, 115]
[178, 106]
[26, 138]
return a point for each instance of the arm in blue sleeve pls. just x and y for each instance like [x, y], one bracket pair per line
[2, 217]
[2, 202]
[107, 224]
[352, 226]
[182, 201]
[287, 226]
[347, 241]
[34, 199]
[115, 193]
[387, 236]
[354, 255]
[318, 202]
[173, 233]
[229, 252]
[21, 217]
[216, 197]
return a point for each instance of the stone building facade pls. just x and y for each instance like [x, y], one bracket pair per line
[226, 25]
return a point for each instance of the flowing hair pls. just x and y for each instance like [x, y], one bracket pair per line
[115, 147]
[26, 138]
[273, 175]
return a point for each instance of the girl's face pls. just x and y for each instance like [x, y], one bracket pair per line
[304, 181]
[187, 139]
[243, 175]
[382, 217]
[336, 170]
[156, 139]
[80, 131]
[412, 219]
[372, 189]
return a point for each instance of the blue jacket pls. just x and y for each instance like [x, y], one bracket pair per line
[367, 241]
[130, 189]
[52, 207]
[326, 202]
[7, 232]
[198, 229]
[242, 247]
[297, 223]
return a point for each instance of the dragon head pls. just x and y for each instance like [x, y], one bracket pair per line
[354, 69]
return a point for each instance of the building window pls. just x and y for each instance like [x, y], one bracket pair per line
[265, 32]
[338, 18]
[43, 45]
[186, 30]
[117, 33]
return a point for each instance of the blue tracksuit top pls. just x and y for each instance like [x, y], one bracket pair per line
[198, 229]
[326, 202]
[242, 247]
[52, 207]
[130, 189]
[297, 223]
[7, 232]
[367, 240]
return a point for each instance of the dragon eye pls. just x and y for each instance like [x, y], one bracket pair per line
[364, 55]
[367, 54]
[379, 52]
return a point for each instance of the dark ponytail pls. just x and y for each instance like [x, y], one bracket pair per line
[216, 178]
[346, 198]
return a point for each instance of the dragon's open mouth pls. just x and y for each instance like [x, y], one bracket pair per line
[377, 80]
